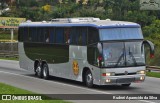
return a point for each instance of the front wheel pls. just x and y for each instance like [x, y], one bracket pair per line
[45, 71]
[89, 79]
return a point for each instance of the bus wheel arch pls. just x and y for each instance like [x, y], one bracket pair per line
[87, 74]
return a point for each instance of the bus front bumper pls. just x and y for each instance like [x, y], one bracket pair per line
[114, 80]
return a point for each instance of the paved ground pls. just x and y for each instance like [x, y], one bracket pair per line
[11, 74]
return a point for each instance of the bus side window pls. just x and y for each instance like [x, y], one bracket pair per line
[46, 34]
[78, 36]
[42, 34]
[84, 35]
[73, 36]
[60, 35]
[67, 35]
[93, 36]
[25, 36]
[92, 55]
[39, 34]
[33, 34]
[52, 35]
[21, 34]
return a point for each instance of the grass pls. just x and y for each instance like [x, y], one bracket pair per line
[7, 36]
[9, 58]
[7, 89]
[153, 74]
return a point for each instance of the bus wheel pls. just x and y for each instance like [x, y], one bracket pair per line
[39, 71]
[89, 79]
[126, 85]
[45, 71]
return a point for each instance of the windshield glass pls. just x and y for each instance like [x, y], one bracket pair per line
[123, 54]
[120, 33]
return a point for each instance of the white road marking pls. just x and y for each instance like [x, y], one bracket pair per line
[70, 85]
[56, 82]
[147, 101]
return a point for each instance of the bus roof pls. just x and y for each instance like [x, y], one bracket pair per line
[69, 22]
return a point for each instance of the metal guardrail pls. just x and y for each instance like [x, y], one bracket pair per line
[153, 68]
[8, 49]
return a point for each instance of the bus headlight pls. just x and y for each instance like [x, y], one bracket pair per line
[108, 74]
[141, 72]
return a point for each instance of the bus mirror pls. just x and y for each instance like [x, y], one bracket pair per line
[99, 46]
[151, 46]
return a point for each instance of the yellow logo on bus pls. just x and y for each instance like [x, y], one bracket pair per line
[75, 67]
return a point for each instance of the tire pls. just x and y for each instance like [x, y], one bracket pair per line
[38, 71]
[45, 71]
[89, 79]
[126, 85]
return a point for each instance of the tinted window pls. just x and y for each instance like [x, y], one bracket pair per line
[92, 55]
[52, 35]
[25, 34]
[46, 35]
[60, 35]
[40, 34]
[20, 34]
[67, 33]
[78, 36]
[93, 36]
[32, 34]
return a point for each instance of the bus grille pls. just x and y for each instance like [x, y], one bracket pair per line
[125, 74]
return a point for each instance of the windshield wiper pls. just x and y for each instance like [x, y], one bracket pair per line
[133, 58]
[122, 55]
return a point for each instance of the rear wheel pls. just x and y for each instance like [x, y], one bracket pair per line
[89, 79]
[39, 71]
[45, 71]
[126, 85]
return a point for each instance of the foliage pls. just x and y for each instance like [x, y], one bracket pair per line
[125, 10]
[153, 74]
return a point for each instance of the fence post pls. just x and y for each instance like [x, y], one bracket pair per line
[12, 35]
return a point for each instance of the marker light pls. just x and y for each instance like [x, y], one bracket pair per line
[108, 74]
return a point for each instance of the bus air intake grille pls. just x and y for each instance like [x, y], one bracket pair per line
[125, 74]
[125, 80]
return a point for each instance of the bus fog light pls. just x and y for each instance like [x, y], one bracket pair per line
[142, 78]
[108, 80]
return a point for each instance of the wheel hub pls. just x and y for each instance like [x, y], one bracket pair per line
[89, 78]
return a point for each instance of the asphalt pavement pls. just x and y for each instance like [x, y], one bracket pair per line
[12, 74]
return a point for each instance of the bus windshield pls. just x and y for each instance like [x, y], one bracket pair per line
[120, 33]
[123, 54]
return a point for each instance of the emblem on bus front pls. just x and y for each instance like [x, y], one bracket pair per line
[126, 73]
[75, 67]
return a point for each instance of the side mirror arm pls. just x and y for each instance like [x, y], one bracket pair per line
[151, 46]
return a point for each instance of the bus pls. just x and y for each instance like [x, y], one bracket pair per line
[89, 50]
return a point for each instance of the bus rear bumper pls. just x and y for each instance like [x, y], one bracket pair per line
[115, 80]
